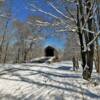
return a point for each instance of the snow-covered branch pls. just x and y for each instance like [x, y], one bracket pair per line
[70, 13]
[34, 8]
[91, 32]
[60, 12]
[96, 36]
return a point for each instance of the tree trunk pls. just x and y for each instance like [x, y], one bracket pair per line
[80, 35]
[87, 53]
[17, 59]
[6, 52]
[90, 53]
[97, 58]
[97, 19]
[3, 40]
[26, 51]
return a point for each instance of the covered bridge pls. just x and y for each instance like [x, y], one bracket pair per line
[51, 52]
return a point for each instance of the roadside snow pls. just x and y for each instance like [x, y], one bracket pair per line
[46, 82]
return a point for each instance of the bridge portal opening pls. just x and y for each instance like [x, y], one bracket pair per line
[49, 51]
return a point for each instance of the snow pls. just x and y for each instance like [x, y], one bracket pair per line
[56, 81]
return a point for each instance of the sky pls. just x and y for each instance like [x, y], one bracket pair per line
[20, 9]
[21, 13]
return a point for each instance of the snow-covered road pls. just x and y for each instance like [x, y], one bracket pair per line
[45, 82]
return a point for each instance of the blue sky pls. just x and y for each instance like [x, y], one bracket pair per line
[20, 12]
[54, 42]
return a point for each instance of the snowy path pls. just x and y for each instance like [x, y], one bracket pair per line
[45, 82]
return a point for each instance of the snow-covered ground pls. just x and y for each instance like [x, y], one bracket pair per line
[55, 81]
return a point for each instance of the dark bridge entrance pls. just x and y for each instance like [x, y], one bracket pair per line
[49, 51]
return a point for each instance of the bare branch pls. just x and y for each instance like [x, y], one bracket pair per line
[91, 42]
[42, 11]
[84, 29]
[69, 12]
[60, 12]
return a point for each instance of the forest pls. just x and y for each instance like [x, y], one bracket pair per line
[49, 45]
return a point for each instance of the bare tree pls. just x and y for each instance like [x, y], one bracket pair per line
[85, 16]
[5, 17]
